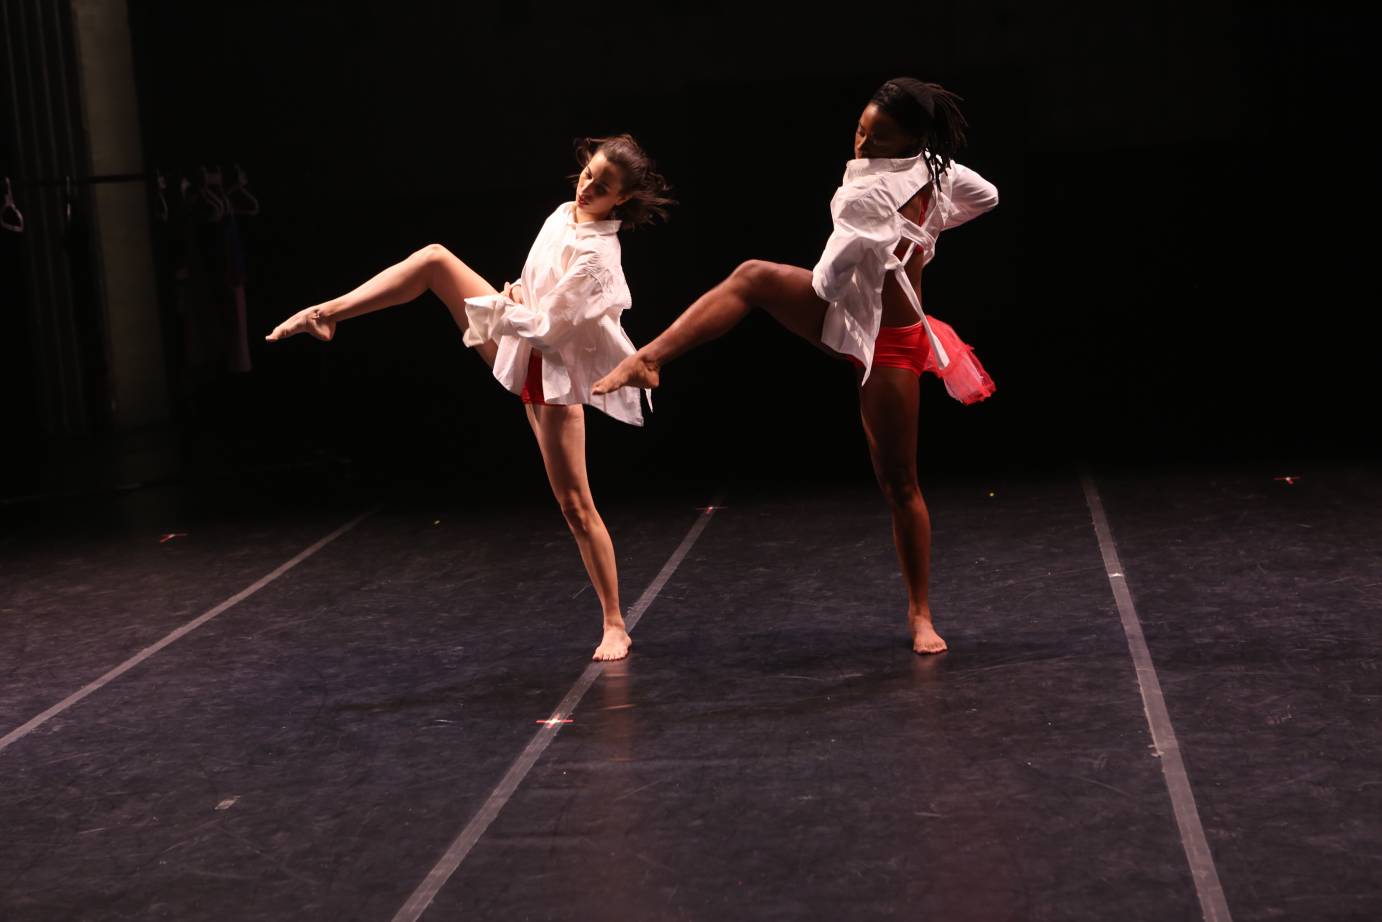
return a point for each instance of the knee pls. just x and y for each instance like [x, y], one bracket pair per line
[579, 512]
[431, 255]
[752, 275]
[899, 484]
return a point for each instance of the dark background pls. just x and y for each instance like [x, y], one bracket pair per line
[1175, 270]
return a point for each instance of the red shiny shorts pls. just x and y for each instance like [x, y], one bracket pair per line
[909, 348]
[532, 385]
[901, 347]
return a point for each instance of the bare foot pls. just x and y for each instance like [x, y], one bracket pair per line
[635, 371]
[615, 644]
[924, 637]
[308, 320]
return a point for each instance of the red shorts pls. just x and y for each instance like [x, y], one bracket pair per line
[909, 348]
[532, 385]
[901, 347]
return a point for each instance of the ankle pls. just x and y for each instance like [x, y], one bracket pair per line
[333, 311]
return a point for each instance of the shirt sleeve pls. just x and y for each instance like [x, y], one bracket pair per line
[864, 225]
[583, 294]
[970, 195]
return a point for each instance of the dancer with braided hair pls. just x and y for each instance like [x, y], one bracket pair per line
[862, 302]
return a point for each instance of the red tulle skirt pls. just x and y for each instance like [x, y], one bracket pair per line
[909, 347]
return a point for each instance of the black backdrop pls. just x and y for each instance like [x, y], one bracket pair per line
[1175, 269]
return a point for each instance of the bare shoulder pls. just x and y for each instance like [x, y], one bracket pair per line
[914, 209]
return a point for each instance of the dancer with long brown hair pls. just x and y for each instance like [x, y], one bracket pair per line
[546, 337]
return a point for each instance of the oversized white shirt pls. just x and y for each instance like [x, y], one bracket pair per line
[861, 250]
[574, 291]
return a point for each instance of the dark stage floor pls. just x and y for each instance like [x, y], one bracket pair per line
[772, 749]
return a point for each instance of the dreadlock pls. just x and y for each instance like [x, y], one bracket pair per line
[930, 112]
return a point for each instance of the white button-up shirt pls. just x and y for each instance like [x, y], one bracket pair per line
[574, 292]
[861, 250]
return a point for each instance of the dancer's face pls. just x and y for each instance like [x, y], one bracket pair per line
[599, 188]
[879, 135]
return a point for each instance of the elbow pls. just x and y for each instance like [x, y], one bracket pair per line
[543, 342]
[549, 338]
[990, 198]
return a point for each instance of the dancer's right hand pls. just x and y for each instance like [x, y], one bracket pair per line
[513, 291]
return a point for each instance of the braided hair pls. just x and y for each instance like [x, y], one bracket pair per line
[929, 112]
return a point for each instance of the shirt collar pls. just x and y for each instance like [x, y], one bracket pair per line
[870, 166]
[590, 228]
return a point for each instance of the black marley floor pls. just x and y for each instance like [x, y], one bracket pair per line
[772, 749]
